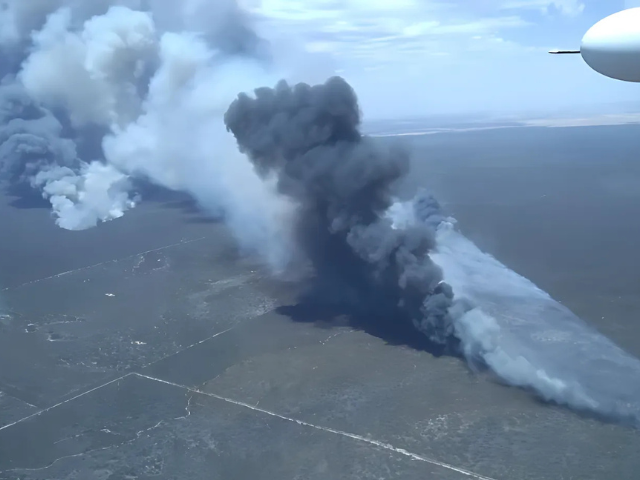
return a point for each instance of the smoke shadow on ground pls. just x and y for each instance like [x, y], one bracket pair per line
[377, 317]
[377, 325]
[29, 202]
[192, 212]
[186, 206]
[202, 219]
[395, 331]
[174, 200]
[328, 306]
[25, 197]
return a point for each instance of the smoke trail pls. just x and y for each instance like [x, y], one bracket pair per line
[532, 341]
[391, 256]
[524, 336]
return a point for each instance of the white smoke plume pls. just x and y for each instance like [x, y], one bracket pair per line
[527, 338]
[93, 74]
[80, 199]
[155, 78]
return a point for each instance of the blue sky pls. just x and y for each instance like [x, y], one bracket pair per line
[416, 57]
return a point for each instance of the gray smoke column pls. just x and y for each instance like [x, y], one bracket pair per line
[35, 154]
[308, 136]
[30, 138]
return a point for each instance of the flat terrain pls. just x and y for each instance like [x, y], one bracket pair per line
[148, 349]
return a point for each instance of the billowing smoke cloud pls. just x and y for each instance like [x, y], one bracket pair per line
[343, 182]
[60, 90]
[130, 84]
[33, 153]
[96, 75]
[19, 18]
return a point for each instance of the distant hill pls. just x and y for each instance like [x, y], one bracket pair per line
[606, 114]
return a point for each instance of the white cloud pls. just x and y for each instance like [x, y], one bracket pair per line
[566, 7]
[384, 31]
[410, 57]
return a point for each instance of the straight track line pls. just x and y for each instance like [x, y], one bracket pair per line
[379, 444]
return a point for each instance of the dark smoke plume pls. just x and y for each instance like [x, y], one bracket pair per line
[308, 136]
[30, 139]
